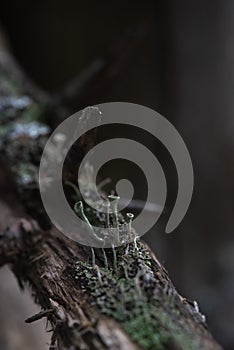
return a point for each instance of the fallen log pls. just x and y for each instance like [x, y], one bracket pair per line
[120, 298]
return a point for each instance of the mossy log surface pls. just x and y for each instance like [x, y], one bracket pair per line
[118, 298]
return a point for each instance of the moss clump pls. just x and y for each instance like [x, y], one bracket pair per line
[127, 293]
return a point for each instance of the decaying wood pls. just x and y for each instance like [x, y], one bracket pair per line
[93, 299]
[46, 261]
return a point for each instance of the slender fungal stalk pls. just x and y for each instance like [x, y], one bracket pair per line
[79, 209]
[130, 217]
[114, 207]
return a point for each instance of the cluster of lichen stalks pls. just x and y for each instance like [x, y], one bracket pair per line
[123, 287]
[115, 231]
[107, 227]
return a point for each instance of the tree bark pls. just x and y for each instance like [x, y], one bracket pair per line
[118, 298]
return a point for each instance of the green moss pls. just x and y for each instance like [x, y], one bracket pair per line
[124, 287]
[127, 294]
[10, 85]
[34, 112]
[5, 129]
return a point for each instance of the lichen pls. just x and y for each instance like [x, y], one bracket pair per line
[129, 295]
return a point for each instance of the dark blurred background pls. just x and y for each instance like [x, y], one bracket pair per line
[176, 57]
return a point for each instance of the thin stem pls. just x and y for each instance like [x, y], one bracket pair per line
[114, 207]
[79, 209]
[130, 217]
[93, 256]
[114, 258]
[106, 206]
[105, 258]
[99, 275]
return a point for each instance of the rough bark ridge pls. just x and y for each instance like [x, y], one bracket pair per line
[94, 299]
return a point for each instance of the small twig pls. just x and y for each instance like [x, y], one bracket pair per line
[39, 316]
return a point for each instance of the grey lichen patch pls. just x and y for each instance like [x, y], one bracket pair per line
[13, 102]
[128, 294]
[32, 130]
[20, 124]
[23, 146]
[17, 105]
